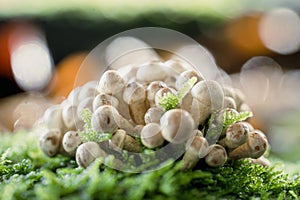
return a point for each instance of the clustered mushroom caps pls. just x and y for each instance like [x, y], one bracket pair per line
[127, 106]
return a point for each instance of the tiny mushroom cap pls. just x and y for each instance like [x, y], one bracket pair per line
[105, 99]
[120, 140]
[153, 115]
[135, 96]
[236, 135]
[185, 76]
[53, 118]
[152, 71]
[178, 65]
[229, 103]
[71, 141]
[244, 107]
[216, 156]
[88, 152]
[70, 117]
[196, 148]
[177, 126]
[209, 93]
[128, 72]
[104, 119]
[151, 136]
[152, 89]
[255, 146]
[87, 90]
[111, 83]
[73, 96]
[236, 94]
[85, 104]
[160, 94]
[261, 161]
[50, 142]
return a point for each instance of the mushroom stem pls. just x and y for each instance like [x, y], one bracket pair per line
[255, 147]
[195, 150]
[120, 140]
[135, 96]
[88, 152]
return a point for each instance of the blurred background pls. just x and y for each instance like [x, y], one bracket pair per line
[43, 43]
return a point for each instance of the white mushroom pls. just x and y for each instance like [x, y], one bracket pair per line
[152, 89]
[236, 94]
[105, 99]
[70, 117]
[216, 156]
[185, 76]
[50, 142]
[135, 96]
[236, 135]
[153, 115]
[120, 140]
[255, 147]
[128, 73]
[112, 83]
[88, 152]
[73, 96]
[151, 136]
[152, 71]
[177, 65]
[195, 150]
[244, 107]
[85, 104]
[53, 118]
[70, 142]
[87, 90]
[229, 103]
[209, 93]
[261, 161]
[107, 119]
[161, 93]
[177, 126]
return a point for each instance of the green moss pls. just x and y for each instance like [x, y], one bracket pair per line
[26, 173]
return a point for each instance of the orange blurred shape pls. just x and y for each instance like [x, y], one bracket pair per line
[65, 75]
[5, 31]
[242, 33]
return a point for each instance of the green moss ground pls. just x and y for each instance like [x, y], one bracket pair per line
[26, 173]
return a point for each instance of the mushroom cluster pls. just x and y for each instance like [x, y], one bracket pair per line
[127, 104]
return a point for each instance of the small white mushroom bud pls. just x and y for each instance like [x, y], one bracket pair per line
[113, 84]
[107, 119]
[209, 93]
[161, 93]
[128, 73]
[153, 115]
[236, 135]
[87, 153]
[152, 89]
[261, 161]
[244, 107]
[185, 76]
[216, 156]
[152, 71]
[255, 147]
[229, 103]
[196, 149]
[135, 96]
[186, 102]
[105, 99]
[71, 141]
[73, 96]
[200, 112]
[85, 104]
[87, 90]
[50, 142]
[151, 136]
[53, 118]
[70, 117]
[236, 94]
[177, 65]
[120, 140]
[177, 126]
